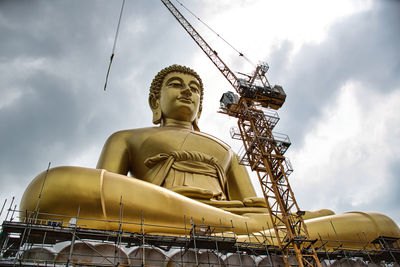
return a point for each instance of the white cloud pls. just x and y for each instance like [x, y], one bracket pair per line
[258, 26]
[346, 158]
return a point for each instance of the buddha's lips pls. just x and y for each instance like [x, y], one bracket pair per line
[185, 99]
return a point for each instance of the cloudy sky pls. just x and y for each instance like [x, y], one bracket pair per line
[338, 61]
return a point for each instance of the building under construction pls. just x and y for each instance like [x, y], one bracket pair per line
[29, 241]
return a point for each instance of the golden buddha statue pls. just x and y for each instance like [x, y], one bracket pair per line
[177, 175]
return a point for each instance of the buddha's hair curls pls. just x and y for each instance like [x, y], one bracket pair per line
[155, 87]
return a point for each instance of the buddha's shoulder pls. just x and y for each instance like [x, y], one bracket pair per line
[137, 133]
[213, 138]
[141, 134]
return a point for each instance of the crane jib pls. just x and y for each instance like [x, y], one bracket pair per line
[267, 96]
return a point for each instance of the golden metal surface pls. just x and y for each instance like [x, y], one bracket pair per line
[172, 174]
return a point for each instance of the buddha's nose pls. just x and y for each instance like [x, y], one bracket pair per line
[186, 91]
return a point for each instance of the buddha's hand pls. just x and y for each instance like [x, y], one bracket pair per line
[254, 202]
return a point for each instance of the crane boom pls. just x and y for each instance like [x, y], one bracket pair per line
[212, 54]
[257, 86]
[263, 150]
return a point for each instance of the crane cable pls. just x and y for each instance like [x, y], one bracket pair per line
[115, 42]
[205, 24]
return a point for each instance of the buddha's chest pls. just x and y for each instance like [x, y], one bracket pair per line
[169, 140]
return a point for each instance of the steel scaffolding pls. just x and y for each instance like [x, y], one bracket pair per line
[31, 241]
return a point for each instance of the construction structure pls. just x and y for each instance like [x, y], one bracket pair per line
[30, 241]
[263, 152]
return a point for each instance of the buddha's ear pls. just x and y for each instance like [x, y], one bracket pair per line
[196, 121]
[154, 103]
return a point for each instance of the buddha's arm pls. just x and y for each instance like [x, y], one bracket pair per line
[240, 186]
[115, 155]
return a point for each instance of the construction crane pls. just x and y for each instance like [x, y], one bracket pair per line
[263, 150]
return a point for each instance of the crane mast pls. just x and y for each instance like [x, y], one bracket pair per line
[263, 149]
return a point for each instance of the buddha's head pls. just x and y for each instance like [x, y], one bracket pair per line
[176, 93]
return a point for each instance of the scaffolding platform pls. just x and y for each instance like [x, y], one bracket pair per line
[33, 244]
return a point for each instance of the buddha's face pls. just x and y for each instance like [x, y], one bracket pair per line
[180, 97]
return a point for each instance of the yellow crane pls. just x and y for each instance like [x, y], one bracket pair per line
[263, 150]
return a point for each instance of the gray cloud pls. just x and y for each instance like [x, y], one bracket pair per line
[362, 47]
[53, 62]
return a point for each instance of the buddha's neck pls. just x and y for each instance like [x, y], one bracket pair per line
[176, 123]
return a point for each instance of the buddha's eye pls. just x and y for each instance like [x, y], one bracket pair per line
[176, 84]
[194, 89]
